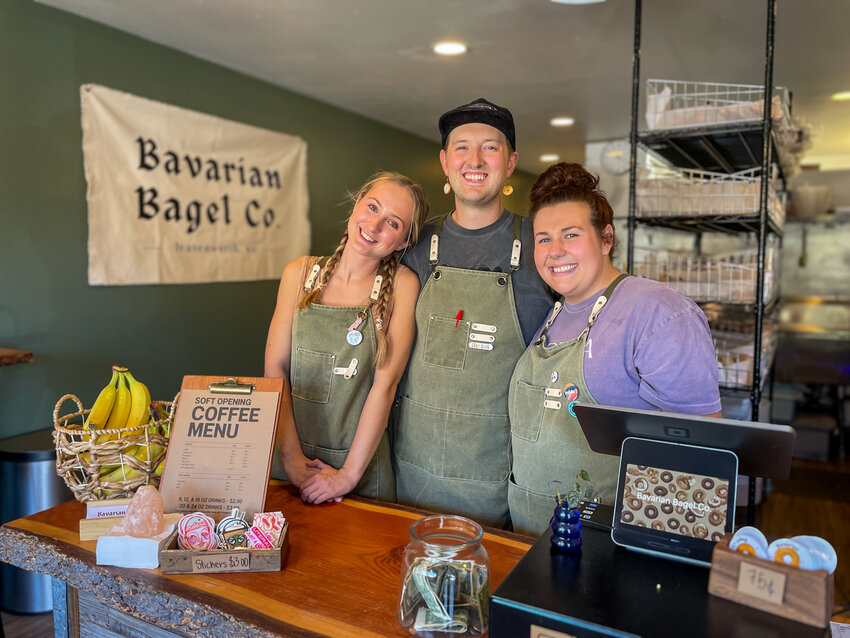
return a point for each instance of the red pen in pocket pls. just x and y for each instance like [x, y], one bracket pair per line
[458, 317]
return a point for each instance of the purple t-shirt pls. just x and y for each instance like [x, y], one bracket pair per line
[650, 348]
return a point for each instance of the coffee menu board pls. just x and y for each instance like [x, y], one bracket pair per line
[221, 444]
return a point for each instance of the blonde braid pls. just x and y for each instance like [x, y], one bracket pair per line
[382, 310]
[312, 296]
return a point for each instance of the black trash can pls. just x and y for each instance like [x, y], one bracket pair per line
[28, 484]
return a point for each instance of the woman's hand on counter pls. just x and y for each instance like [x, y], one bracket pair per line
[298, 469]
[327, 484]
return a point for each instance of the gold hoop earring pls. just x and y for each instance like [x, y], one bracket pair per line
[507, 190]
[447, 188]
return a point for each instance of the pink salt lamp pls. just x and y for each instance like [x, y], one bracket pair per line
[144, 517]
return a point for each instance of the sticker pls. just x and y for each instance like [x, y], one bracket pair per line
[236, 521]
[749, 540]
[235, 539]
[554, 405]
[483, 327]
[553, 392]
[259, 539]
[271, 523]
[790, 552]
[196, 531]
[231, 530]
[478, 337]
[354, 337]
[480, 346]
[555, 377]
[571, 394]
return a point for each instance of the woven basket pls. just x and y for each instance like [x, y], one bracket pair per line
[79, 459]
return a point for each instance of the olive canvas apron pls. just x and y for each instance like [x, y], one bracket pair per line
[451, 435]
[331, 377]
[547, 441]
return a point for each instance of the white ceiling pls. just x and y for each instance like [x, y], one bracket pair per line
[538, 58]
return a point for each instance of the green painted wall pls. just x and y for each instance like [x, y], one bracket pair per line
[161, 332]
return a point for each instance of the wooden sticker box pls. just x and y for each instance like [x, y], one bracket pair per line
[173, 560]
[803, 595]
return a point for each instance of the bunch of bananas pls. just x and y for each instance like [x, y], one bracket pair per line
[124, 404]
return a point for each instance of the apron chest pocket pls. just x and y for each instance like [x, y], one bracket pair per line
[525, 402]
[311, 375]
[445, 342]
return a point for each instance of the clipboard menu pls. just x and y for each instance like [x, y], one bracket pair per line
[221, 444]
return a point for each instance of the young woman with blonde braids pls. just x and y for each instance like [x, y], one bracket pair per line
[340, 336]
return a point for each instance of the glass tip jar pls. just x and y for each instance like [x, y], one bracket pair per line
[445, 579]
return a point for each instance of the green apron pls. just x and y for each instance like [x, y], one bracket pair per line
[451, 434]
[331, 379]
[546, 440]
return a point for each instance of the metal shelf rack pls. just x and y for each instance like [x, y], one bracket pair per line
[721, 147]
[725, 148]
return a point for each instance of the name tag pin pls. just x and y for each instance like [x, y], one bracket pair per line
[348, 372]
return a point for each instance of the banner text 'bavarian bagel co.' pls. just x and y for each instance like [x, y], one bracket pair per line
[177, 196]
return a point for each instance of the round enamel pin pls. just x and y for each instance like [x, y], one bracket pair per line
[354, 337]
[555, 376]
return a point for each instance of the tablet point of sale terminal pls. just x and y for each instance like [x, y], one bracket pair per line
[678, 474]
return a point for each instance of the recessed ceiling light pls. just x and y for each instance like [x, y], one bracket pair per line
[549, 157]
[843, 96]
[562, 121]
[450, 48]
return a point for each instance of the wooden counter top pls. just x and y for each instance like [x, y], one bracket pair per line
[340, 574]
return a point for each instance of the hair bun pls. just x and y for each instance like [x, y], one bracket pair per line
[559, 180]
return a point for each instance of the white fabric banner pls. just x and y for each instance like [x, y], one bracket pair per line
[177, 196]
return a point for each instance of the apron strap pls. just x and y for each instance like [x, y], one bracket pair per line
[601, 301]
[516, 246]
[317, 268]
[433, 255]
[598, 305]
[373, 295]
[373, 298]
[555, 310]
[314, 274]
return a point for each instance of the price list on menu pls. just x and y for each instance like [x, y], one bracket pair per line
[220, 449]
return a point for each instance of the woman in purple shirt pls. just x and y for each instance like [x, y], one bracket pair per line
[612, 340]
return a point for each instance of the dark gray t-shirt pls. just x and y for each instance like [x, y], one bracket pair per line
[488, 248]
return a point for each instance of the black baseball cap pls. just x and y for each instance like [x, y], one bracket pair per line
[479, 111]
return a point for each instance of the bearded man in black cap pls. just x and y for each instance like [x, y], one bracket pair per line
[481, 302]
